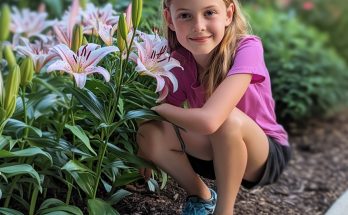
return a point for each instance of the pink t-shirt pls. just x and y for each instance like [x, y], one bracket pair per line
[257, 101]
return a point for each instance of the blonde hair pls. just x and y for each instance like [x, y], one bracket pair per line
[223, 54]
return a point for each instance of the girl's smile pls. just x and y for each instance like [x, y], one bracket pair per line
[201, 39]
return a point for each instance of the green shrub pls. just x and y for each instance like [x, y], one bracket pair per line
[308, 78]
[328, 16]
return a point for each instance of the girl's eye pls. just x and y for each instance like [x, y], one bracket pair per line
[210, 12]
[184, 16]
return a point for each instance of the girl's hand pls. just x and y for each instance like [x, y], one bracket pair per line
[160, 108]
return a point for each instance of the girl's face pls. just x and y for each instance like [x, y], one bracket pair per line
[199, 24]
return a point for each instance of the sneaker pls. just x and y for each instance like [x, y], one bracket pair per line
[197, 206]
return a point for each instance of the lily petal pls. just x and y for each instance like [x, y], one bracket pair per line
[80, 79]
[100, 70]
[59, 65]
[89, 47]
[167, 66]
[99, 54]
[106, 34]
[163, 94]
[65, 54]
[160, 83]
[172, 78]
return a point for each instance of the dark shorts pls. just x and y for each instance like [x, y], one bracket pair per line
[278, 157]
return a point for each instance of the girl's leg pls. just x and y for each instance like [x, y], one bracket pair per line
[240, 150]
[158, 143]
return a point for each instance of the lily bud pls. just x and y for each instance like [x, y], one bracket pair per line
[27, 71]
[5, 19]
[122, 27]
[137, 9]
[121, 44]
[83, 4]
[11, 90]
[77, 37]
[84, 41]
[1, 91]
[9, 56]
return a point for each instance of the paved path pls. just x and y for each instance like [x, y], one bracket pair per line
[340, 207]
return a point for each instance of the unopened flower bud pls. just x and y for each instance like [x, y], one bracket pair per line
[11, 90]
[1, 91]
[9, 56]
[83, 4]
[122, 27]
[77, 37]
[120, 42]
[84, 41]
[27, 71]
[137, 9]
[5, 20]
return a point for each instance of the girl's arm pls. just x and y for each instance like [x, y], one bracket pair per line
[209, 118]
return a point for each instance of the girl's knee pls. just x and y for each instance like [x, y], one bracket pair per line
[150, 136]
[149, 131]
[232, 125]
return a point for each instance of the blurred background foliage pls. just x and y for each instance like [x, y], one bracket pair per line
[305, 49]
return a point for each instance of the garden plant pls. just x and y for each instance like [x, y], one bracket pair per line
[71, 94]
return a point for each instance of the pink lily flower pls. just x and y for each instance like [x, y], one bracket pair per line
[29, 23]
[64, 31]
[94, 19]
[38, 52]
[153, 59]
[81, 63]
[106, 33]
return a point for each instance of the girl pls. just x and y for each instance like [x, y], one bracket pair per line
[229, 132]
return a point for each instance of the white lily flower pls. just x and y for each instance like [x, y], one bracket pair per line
[29, 23]
[95, 19]
[153, 59]
[64, 29]
[81, 63]
[37, 51]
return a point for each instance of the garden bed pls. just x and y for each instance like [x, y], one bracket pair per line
[316, 177]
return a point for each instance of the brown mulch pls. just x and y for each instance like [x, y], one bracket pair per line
[316, 176]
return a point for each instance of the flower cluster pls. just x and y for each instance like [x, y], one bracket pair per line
[61, 45]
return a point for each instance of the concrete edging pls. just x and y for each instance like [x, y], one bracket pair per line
[340, 206]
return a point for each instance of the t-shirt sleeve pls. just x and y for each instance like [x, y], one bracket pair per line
[249, 59]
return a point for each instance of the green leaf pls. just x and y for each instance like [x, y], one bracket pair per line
[153, 185]
[33, 151]
[4, 140]
[62, 145]
[118, 196]
[79, 132]
[59, 210]
[83, 176]
[164, 179]
[8, 211]
[16, 126]
[21, 169]
[128, 157]
[127, 178]
[143, 114]
[100, 207]
[57, 207]
[91, 102]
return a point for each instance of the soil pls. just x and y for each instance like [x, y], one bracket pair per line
[315, 177]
